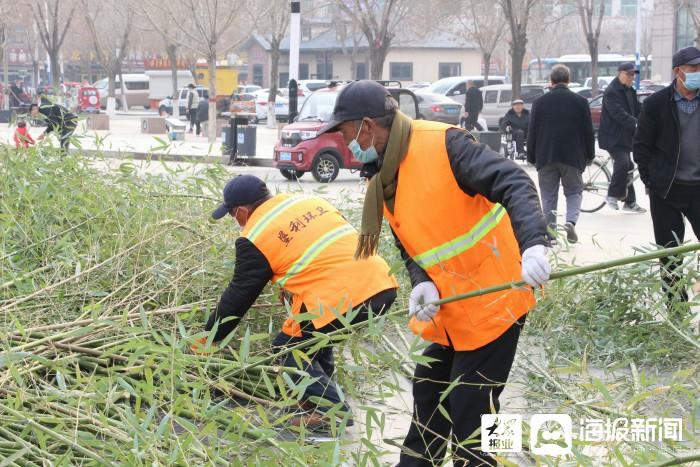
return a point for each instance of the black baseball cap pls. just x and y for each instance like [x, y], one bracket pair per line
[241, 191]
[357, 100]
[627, 66]
[686, 56]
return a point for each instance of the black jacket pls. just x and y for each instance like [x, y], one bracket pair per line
[58, 118]
[518, 123]
[561, 130]
[657, 141]
[618, 119]
[203, 110]
[476, 168]
[473, 101]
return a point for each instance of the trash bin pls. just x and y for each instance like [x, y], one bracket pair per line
[490, 138]
[247, 140]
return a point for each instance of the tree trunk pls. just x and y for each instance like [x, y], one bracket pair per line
[517, 53]
[55, 72]
[211, 123]
[593, 50]
[377, 55]
[274, 78]
[172, 56]
[486, 57]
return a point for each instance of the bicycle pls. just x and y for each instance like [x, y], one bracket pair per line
[510, 150]
[596, 180]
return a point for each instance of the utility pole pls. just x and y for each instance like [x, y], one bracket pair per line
[294, 39]
[638, 46]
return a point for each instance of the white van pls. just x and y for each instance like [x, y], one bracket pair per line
[455, 87]
[498, 98]
[137, 90]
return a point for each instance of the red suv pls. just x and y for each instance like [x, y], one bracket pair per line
[301, 149]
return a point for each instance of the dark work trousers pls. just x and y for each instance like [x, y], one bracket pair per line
[621, 186]
[683, 201]
[471, 122]
[322, 365]
[483, 373]
[571, 179]
[64, 134]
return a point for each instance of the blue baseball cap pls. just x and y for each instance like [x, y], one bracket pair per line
[241, 191]
[686, 56]
[357, 100]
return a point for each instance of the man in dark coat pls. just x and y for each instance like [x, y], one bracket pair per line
[617, 124]
[667, 152]
[560, 144]
[59, 120]
[473, 103]
[518, 118]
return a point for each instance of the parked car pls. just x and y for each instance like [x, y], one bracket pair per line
[88, 99]
[165, 106]
[498, 98]
[419, 85]
[247, 89]
[455, 87]
[307, 86]
[281, 105]
[603, 82]
[243, 104]
[582, 91]
[136, 89]
[596, 106]
[437, 107]
[301, 149]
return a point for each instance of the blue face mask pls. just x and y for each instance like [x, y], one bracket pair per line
[692, 81]
[363, 155]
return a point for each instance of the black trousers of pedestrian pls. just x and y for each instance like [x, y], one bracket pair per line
[64, 135]
[667, 215]
[193, 120]
[321, 365]
[519, 138]
[483, 373]
[621, 186]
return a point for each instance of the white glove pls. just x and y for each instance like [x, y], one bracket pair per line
[419, 301]
[536, 268]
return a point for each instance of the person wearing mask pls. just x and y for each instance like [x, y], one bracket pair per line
[560, 143]
[667, 153]
[304, 245]
[518, 119]
[462, 216]
[618, 122]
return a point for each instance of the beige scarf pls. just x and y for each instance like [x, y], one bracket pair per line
[382, 187]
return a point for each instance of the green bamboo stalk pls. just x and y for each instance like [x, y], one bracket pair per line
[576, 271]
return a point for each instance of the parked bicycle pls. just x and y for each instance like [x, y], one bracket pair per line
[596, 180]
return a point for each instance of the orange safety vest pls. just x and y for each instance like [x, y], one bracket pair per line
[463, 242]
[310, 247]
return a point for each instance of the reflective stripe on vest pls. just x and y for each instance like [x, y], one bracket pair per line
[268, 217]
[458, 245]
[315, 249]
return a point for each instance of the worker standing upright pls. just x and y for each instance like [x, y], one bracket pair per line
[462, 215]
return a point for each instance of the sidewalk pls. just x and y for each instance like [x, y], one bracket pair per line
[125, 138]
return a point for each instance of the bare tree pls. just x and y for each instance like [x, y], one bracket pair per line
[517, 13]
[274, 24]
[4, 38]
[53, 19]
[379, 20]
[206, 27]
[591, 13]
[110, 37]
[482, 22]
[171, 35]
[693, 8]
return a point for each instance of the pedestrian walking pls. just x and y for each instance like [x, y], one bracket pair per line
[667, 153]
[305, 246]
[461, 215]
[473, 104]
[16, 94]
[59, 120]
[560, 144]
[518, 119]
[618, 122]
[192, 103]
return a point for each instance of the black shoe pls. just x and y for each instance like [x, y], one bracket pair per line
[570, 232]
